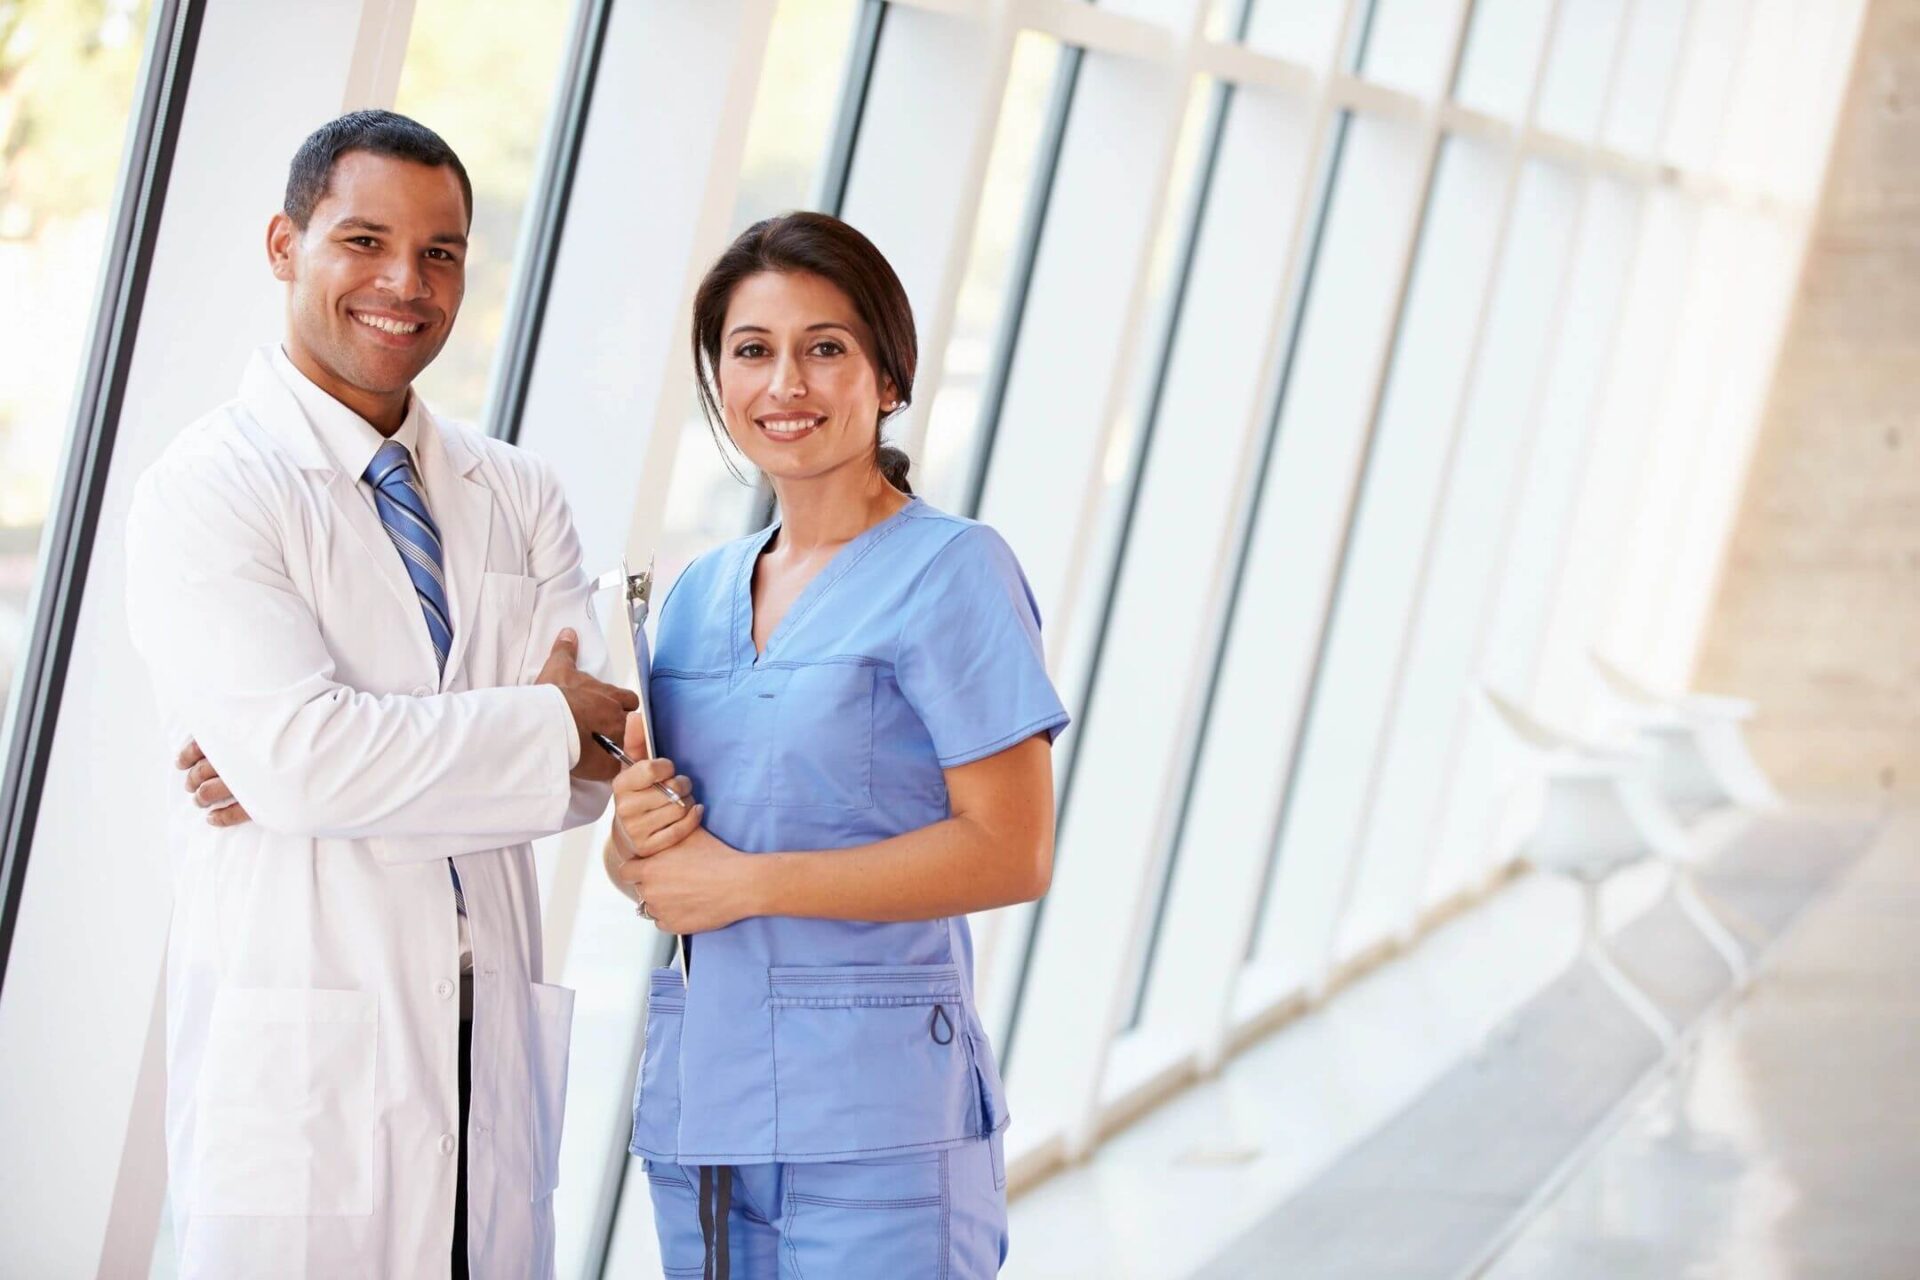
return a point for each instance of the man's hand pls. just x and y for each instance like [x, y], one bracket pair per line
[209, 791]
[597, 707]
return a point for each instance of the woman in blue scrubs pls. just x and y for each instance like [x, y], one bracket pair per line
[857, 697]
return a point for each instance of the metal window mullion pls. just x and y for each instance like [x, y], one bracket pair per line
[1026, 255]
[173, 40]
[540, 241]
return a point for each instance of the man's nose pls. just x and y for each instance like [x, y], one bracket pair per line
[403, 277]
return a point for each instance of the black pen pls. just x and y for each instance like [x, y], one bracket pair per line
[612, 748]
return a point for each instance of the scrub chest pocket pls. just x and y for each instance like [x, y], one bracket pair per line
[795, 737]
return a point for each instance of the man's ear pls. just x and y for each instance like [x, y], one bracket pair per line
[281, 236]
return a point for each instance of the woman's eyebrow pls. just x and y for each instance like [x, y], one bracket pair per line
[812, 328]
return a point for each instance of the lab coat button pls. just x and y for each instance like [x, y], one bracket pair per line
[443, 989]
[446, 1144]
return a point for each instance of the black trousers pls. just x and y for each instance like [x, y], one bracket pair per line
[460, 1177]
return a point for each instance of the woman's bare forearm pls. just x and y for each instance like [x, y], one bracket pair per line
[949, 868]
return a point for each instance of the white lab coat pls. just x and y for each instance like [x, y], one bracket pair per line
[313, 964]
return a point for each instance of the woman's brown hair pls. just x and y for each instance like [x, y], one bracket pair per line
[826, 247]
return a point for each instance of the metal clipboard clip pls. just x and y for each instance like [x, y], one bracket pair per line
[636, 592]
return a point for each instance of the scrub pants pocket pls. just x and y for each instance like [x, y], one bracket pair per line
[935, 1214]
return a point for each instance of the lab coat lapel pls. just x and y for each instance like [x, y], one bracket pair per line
[463, 508]
[273, 406]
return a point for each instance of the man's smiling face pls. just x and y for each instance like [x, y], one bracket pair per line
[375, 279]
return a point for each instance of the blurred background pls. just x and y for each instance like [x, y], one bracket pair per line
[1464, 452]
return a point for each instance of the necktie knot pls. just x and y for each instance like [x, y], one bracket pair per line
[391, 465]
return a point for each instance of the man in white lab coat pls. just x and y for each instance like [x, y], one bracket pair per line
[348, 603]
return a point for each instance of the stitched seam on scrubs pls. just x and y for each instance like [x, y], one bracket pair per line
[840, 1202]
[773, 1052]
[858, 1002]
[786, 1237]
[823, 582]
[946, 1216]
[1000, 744]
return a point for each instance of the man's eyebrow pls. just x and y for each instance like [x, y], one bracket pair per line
[357, 223]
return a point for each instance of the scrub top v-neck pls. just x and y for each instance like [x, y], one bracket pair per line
[915, 649]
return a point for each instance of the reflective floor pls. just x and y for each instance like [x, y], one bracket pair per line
[1791, 1146]
[1372, 1137]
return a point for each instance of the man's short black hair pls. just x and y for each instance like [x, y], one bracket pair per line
[382, 133]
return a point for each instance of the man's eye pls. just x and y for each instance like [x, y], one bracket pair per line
[440, 255]
[365, 242]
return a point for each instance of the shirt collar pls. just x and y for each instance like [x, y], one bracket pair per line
[349, 437]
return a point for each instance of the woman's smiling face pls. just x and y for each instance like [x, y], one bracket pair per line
[799, 388]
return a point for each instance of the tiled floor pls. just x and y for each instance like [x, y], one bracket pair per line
[1791, 1148]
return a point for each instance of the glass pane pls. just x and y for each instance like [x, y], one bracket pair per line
[1166, 593]
[1379, 585]
[1576, 78]
[68, 74]
[1647, 67]
[1330, 396]
[1001, 936]
[1300, 30]
[954, 419]
[1408, 43]
[482, 74]
[1503, 46]
[1441, 684]
[794, 108]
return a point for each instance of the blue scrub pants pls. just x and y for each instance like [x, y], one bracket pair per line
[941, 1215]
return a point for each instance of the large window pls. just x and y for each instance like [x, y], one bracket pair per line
[482, 76]
[68, 74]
[1362, 357]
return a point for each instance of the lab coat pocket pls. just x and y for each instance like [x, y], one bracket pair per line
[502, 628]
[656, 1096]
[285, 1104]
[548, 1041]
[824, 746]
[870, 1058]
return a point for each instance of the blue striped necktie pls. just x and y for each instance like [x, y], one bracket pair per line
[403, 511]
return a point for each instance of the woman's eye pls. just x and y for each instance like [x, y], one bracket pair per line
[827, 348]
[750, 351]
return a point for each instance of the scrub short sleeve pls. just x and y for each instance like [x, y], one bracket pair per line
[969, 661]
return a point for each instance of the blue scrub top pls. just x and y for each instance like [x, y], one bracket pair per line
[916, 649]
